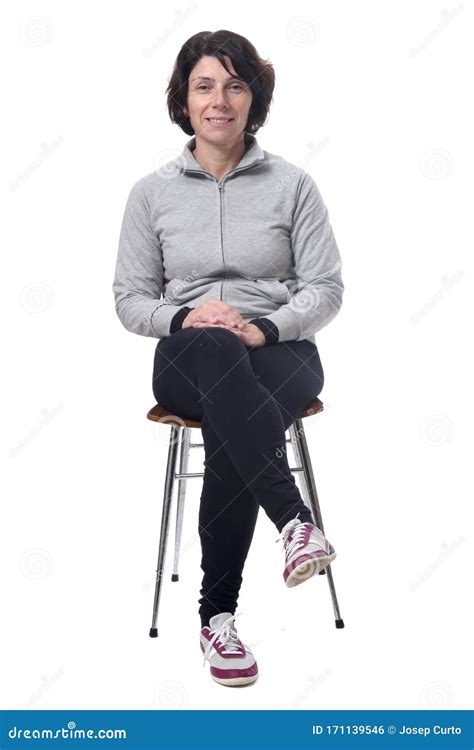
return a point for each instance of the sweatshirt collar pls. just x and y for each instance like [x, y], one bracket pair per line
[252, 155]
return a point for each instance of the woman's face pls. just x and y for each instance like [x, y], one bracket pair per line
[214, 93]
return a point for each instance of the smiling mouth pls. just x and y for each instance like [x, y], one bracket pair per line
[219, 120]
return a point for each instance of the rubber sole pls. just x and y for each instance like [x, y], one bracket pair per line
[308, 568]
[232, 681]
[235, 681]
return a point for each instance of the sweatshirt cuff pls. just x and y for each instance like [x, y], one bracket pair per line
[178, 319]
[269, 328]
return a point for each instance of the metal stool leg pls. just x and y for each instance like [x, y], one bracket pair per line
[304, 484]
[165, 521]
[183, 468]
[314, 504]
[299, 464]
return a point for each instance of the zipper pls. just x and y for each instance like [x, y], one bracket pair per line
[233, 171]
[220, 185]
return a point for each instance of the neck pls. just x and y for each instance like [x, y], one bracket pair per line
[219, 159]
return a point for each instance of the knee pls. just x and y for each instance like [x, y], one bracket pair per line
[220, 338]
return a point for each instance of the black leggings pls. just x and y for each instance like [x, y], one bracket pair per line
[245, 399]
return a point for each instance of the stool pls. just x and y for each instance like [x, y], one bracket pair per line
[181, 436]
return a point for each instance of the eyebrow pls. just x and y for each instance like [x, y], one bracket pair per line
[207, 78]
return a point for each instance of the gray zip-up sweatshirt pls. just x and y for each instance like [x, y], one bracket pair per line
[258, 239]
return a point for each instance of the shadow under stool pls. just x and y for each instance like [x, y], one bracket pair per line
[180, 441]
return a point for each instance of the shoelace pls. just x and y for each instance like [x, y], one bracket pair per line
[229, 639]
[297, 531]
[289, 531]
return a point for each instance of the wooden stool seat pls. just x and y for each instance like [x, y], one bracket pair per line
[160, 414]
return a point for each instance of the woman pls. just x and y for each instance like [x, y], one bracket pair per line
[244, 237]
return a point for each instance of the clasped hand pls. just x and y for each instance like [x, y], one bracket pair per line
[218, 314]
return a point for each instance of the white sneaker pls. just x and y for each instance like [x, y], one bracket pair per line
[231, 662]
[307, 551]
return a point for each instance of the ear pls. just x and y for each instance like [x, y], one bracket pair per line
[185, 110]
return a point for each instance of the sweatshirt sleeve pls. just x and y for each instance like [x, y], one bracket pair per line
[318, 291]
[268, 328]
[138, 280]
[178, 319]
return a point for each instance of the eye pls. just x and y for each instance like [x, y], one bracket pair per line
[233, 85]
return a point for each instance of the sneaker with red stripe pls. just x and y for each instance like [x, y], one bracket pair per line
[231, 662]
[307, 551]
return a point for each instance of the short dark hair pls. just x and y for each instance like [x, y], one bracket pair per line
[257, 73]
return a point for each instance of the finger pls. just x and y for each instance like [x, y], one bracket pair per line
[236, 321]
[216, 325]
[207, 324]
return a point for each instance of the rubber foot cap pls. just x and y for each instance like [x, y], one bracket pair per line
[153, 632]
[340, 623]
[174, 577]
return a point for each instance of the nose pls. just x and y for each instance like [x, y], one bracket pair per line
[220, 98]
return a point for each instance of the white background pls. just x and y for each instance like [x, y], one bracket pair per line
[373, 100]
